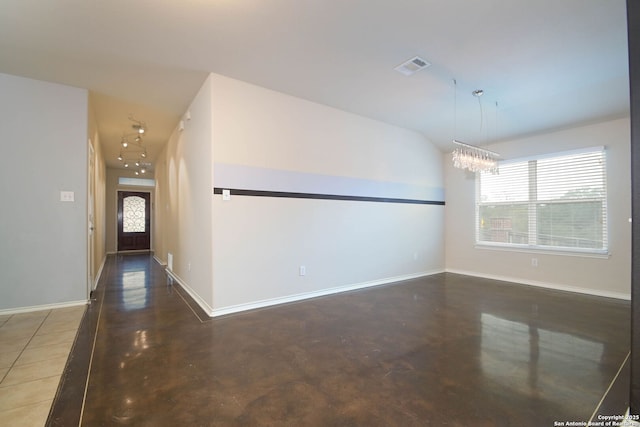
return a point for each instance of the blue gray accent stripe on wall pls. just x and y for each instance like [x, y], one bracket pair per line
[255, 181]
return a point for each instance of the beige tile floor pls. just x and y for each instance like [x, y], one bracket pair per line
[33, 352]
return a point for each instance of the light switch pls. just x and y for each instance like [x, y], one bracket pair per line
[67, 196]
[226, 194]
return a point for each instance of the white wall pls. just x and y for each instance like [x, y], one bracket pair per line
[43, 241]
[183, 201]
[265, 140]
[600, 276]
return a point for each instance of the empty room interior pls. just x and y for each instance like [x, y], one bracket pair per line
[276, 212]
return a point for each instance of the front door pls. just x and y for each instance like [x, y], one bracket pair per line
[134, 220]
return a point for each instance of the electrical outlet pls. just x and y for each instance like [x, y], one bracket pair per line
[67, 196]
[303, 270]
[534, 262]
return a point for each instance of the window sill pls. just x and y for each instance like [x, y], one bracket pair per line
[532, 250]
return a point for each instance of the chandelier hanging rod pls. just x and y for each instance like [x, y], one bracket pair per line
[473, 147]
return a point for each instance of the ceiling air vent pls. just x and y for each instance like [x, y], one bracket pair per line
[411, 66]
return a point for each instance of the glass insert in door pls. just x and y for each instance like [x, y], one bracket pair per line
[133, 214]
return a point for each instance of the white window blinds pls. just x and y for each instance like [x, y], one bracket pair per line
[556, 202]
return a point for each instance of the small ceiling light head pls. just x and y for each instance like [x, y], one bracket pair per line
[477, 93]
[138, 127]
[143, 170]
[120, 157]
[137, 173]
[124, 143]
[138, 138]
[137, 163]
[144, 154]
[126, 165]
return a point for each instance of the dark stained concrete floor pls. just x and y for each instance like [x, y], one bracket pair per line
[444, 350]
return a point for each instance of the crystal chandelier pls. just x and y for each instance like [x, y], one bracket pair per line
[471, 157]
[474, 159]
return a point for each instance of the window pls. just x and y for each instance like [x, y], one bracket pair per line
[138, 182]
[556, 202]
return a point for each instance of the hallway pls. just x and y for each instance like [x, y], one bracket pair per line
[442, 350]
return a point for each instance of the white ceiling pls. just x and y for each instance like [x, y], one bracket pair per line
[547, 64]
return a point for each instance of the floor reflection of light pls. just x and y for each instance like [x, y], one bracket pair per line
[140, 340]
[134, 291]
[527, 359]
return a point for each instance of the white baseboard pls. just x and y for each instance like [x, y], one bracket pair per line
[97, 278]
[314, 294]
[42, 307]
[554, 286]
[202, 303]
[159, 261]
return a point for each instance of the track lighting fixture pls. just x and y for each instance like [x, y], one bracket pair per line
[133, 151]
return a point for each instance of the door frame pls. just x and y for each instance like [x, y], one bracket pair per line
[91, 217]
[134, 190]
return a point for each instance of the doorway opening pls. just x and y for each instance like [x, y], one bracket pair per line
[134, 221]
